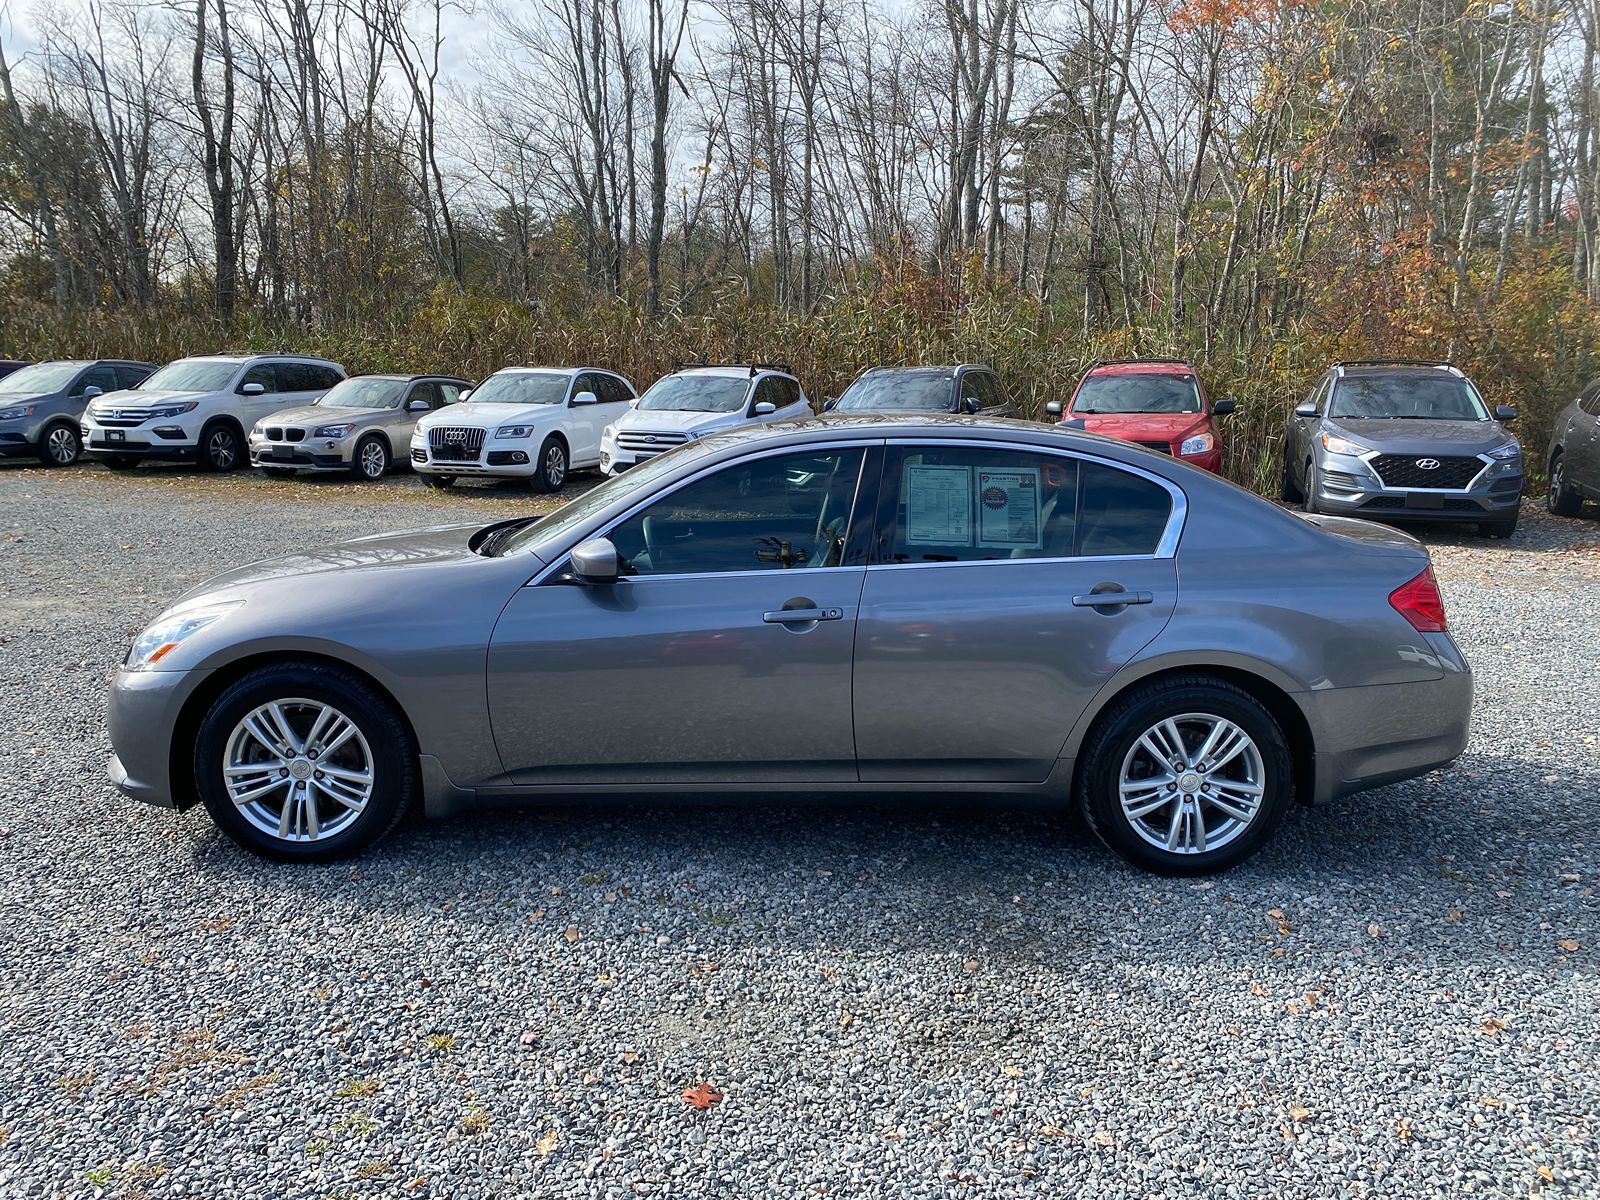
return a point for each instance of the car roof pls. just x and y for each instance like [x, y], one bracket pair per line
[274, 355]
[408, 378]
[1143, 366]
[1411, 370]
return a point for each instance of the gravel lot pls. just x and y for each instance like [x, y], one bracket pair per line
[1398, 999]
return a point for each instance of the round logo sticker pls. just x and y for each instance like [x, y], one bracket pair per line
[994, 497]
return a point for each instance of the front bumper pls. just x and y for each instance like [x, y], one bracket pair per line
[500, 459]
[142, 712]
[1348, 487]
[1369, 736]
[320, 454]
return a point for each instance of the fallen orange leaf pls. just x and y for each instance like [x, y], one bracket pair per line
[702, 1095]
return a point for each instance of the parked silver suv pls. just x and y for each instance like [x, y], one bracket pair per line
[1399, 440]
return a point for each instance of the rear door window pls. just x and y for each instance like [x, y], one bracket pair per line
[131, 376]
[1589, 402]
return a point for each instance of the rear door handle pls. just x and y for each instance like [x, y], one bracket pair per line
[787, 616]
[1112, 599]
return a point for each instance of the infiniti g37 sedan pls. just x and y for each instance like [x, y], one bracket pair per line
[918, 606]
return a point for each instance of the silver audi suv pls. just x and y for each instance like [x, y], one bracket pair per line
[1400, 440]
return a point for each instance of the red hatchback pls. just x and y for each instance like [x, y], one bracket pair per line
[1158, 404]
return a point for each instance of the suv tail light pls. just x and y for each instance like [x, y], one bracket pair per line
[1421, 603]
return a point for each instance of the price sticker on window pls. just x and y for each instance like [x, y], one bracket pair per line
[1010, 509]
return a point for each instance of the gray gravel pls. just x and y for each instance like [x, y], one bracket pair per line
[893, 1003]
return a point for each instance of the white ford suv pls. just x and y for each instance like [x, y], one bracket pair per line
[534, 423]
[696, 400]
[198, 409]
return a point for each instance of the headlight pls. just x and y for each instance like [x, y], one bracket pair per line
[11, 414]
[1504, 453]
[333, 431]
[173, 410]
[258, 430]
[1334, 444]
[610, 431]
[514, 431]
[168, 633]
[1198, 444]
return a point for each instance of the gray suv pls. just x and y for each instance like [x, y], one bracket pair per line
[40, 406]
[1401, 440]
[969, 388]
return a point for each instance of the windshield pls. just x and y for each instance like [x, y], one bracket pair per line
[191, 375]
[1407, 397]
[696, 393]
[1137, 394]
[898, 391]
[568, 516]
[521, 387]
[41, 377]
[365, 393]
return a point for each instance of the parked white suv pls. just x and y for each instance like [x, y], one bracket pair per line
[535, 423]
[198, 409]
[694, 401]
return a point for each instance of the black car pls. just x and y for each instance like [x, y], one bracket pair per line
[1574, 456]
[969, 388]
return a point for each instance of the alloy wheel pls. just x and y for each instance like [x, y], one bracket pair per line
[62, 446]
[222, 450]
[1192, 783]
[555, 467]
[298, 770]
[373, 460]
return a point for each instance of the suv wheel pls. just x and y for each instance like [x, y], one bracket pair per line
[370, 461]
[1185, 776]
[1560, 499]
[304, 762]
[552, 472]
[1308, 498]
[219, 447]
[60, 446]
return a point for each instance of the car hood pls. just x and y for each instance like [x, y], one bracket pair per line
[489, 415]
[669, 420]
[1421, 437]
[322, 414]
[12, 399]
[413, 550]
[1141, 427]
[140, 398]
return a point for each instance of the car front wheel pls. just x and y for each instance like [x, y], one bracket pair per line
[1186, 776]
[219, 448]
[60, 446]
[304, 762]
[370, 461]
[552, 472]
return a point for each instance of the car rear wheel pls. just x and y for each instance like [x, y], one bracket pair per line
[370, 462]
[219, 447]
[1185, 776]
[1561, 499]
[60, 446]
[304, 762]
[552, 472]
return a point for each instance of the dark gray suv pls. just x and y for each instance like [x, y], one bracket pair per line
[1401, 440]
[40, 405]
[969, 388]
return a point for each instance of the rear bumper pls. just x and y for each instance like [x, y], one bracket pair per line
[1369, 736]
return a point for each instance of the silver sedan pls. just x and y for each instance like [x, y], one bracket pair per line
[919, 606]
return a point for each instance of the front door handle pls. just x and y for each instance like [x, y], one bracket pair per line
[788, 616]
[1111, 597]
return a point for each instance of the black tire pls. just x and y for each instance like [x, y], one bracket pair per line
[1288, 492]
[220, 447]
[60, 445]
[443, 482]
[393, 758]
[1116, 735]
[370, 462]
[553, 466]
[1308, 497]
[1502, 528]
[1561, 499]
[119, 462]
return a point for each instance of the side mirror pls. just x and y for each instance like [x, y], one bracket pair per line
[252, 389]
[633, 402]
[1054, 409]
[90, 392]
[971, 405]
[829, 404]
[463, 395]
[1308, 409]
[417, 406]
[583, 398]
[765, 408]
[1504, 412]
[596, 562]
[1222, 408]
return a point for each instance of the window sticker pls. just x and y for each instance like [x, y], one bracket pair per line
[1009, 509]
[938, 506]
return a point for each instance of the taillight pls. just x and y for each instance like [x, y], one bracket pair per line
[1420, 602]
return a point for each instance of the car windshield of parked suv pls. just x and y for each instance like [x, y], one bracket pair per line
[696, 393]
[1138, 393]
[522, 387]
[41, 377]
[1407, 398]
[364, 393]
[191, 375]
[898, 391]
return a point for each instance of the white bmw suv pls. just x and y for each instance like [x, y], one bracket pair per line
[696, 400]
[534, 423]
[198, 409]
